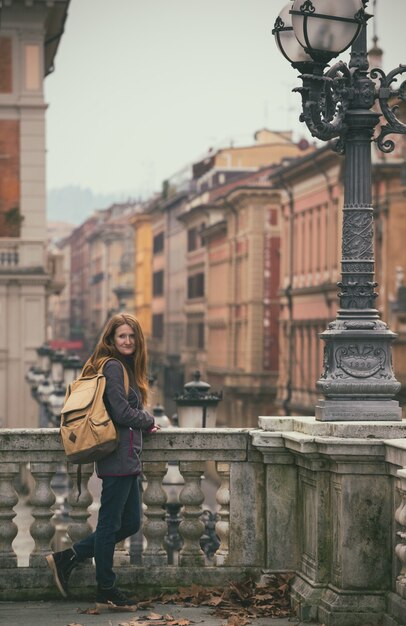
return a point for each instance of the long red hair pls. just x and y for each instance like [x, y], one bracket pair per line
[105, 347]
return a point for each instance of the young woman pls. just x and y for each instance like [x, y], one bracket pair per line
[119, 514]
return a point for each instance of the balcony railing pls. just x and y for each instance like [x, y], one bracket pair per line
[293, 497]
[17, 253]
[9, 253]
[189, 454]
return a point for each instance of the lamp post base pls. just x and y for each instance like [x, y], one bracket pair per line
[373, 410]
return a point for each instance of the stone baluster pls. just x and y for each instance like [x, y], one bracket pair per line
[223, 524]
[42, 529]
[191, 527]
[8, 500]
[400, 548]
[79, 514]
[155, 527]
[121, 555]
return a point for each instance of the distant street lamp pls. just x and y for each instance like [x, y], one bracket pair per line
[196, 406]
[72, 366]
[44, 353]
[358, 382]
[57, 359]
[123, 294]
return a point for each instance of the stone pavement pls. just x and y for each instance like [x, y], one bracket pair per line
[65, 613]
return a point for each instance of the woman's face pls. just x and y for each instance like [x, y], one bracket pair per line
[124, 340]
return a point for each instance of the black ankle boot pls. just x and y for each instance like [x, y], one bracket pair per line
[62, 564]
[113, 597]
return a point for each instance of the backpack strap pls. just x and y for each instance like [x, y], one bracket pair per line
[126, 387]
[126, 379]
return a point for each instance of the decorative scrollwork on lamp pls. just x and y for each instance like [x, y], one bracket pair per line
[325, 101]
[386, 95]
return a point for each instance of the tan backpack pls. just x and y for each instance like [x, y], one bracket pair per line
[87, 431]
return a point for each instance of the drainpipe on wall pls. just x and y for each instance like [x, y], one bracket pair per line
[286, 403]
[233, 210]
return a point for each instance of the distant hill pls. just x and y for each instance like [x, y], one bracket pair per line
[75, 204]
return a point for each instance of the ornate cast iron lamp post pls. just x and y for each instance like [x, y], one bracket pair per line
[358, 382]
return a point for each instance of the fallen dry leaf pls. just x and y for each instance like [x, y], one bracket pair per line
[89, 611]
[154, 616]
[237, 620]
[242, 599]
[121, 609]
[74, 624]
[146, 604]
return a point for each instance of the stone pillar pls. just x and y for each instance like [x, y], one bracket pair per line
[397, 599]
[281, 503]
[361, 516]
[344, 513]
[247, 512]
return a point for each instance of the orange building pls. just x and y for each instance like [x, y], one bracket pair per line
[242, 308]
[232, 271]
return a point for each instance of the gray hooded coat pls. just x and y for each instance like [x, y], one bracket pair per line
[130, 420]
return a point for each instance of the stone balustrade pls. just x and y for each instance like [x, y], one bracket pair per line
[17, 253]
[324, 500]
[191, 454]
[9, 253]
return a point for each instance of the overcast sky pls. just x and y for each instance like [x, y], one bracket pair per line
[141, 88]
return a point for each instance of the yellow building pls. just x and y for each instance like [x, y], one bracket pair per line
[142, 278]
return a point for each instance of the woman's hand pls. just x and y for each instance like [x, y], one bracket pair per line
[153, 428]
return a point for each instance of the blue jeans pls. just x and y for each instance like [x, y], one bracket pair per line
[119, 518]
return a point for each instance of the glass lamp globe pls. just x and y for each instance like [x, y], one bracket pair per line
[325, 28]
[286, 40]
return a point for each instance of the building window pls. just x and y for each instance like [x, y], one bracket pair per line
[6, 69]
[96, 278]
[192, 239]
[158, 243]
[158, 325]
[195, 335]
[158, 283]
[195, 286]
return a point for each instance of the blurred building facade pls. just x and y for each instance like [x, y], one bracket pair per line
[234, 272]
[98, 259]
[29, 37]
[206, 312]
